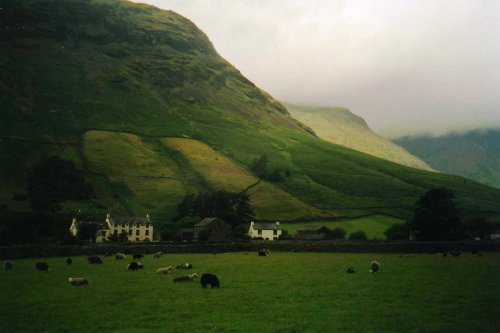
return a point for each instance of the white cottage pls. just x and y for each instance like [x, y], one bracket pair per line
[264, 230]
[136, 229]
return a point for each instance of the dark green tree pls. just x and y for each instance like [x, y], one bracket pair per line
[397, 231]
[436, 217]
[337, 233]
[259, 165]
[54, 180]
[358, 236]
[479, 227]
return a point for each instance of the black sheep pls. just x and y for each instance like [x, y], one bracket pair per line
[351, 270]
[94, 260]
[69, 261]
[209, 279]
[8, 265]
[42, 266]
[134, 265]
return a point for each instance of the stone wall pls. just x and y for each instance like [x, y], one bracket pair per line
[35, 251]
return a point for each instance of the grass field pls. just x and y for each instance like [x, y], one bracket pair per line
[374, 225]
[284, 292]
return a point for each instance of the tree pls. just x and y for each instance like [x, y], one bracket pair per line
[359, 235]
[337, 233]
[397, 231]
[54, 180]
[259, 165]
[479, 227]
[436, 217]
[234, 208]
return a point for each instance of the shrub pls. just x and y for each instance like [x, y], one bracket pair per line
[356, 236]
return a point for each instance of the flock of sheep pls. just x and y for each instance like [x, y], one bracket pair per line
[206, 279]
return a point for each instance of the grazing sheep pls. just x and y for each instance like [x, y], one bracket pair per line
[137, 256]
[164, 270]
[455, 253]
[157, 254]
[374, 266]
[351, 270]
[184, 266]
[69, 261]
[120, 256]
[78, 281]
[135, 265]
[42, 266]
[262, 253]
[209, 279]
[8, 265]
[186, 278]
[442, 254]
[94, 260]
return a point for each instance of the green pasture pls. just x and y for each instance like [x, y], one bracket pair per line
[284, 292]
[374, 225]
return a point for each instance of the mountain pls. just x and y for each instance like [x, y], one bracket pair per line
[140, 101]
[340, 126]
[473, 154]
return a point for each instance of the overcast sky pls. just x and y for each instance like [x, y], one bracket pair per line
[407, 67]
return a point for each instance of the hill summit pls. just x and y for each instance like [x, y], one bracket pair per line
[341, 126]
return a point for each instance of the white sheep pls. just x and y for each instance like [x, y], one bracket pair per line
[186, 278]
[164, 270]
[78, 281]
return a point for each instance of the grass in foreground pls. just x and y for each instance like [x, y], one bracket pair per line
[284, 292]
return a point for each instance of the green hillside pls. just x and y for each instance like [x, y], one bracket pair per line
[340, 126]
[473, 154]
[139, 100]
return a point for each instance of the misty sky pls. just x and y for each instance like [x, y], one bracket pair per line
[407, 67]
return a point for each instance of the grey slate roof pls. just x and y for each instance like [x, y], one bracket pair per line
[128, 219]
[206, 221]
[316, 228]
[101, 225]
[265, 226]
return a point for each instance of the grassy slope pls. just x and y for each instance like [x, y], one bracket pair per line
[374, 225]
[474, 154]
[340, 126]
[302, 292]
[152, 74]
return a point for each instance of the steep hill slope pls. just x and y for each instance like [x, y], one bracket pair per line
[139, 99]
[474, 154]
[340, 126]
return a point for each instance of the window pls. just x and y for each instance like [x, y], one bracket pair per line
[123, 225]
[130, 232]
[103, 233]
[137, 239]
[137, 232]
[275, 232]
[147, 225]
[115, 232]
[147, 232]
[259, 232]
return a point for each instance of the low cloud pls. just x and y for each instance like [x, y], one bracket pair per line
[407, 67]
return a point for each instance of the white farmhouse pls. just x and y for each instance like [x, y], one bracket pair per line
[135, 229]
[264, 230]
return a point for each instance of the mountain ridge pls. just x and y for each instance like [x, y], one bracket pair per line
[137, 69]
[341, 126]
